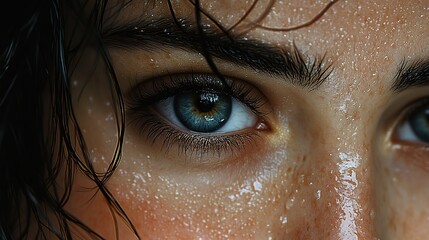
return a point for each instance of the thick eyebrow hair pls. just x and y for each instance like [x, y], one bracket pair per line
[411, 74]
[288, 64]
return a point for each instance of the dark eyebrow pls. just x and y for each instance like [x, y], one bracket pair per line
[286, 63]
[411, 74]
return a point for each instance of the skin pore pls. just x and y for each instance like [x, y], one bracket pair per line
[322, 162]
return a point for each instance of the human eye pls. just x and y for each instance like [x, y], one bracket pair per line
[415, 126]
[410, 136]
[199, 115]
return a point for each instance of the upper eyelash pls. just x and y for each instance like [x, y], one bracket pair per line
[161, 89]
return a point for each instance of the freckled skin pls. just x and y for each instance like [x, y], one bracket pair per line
[322, 172]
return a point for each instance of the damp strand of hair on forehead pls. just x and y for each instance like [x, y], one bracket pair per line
[250, 26]
[199, 12]
[203, 42]
[246, 14]
[209, 16]
[303, 25]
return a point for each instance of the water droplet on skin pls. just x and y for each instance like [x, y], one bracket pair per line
[257, 186]
[283, 219]
[290, 203]
[153, 63]
[109, 117]
[372, 214]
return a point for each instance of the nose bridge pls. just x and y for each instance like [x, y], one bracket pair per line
[352, 195]
[332, 199]
[347, 154]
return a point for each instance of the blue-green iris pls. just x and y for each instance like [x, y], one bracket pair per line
[419, 122]
[202, 111]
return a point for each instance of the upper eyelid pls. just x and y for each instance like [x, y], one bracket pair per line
[163, 88]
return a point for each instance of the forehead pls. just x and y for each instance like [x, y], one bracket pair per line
[366, 38]
[375, 25]
[360, 16]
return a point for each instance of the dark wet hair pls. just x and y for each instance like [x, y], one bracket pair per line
[37, 120]
[41, 144]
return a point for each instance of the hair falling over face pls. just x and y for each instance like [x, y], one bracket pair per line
[214, 119]
[39, 54]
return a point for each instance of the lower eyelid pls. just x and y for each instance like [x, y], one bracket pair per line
[196, 149]
[416, 156]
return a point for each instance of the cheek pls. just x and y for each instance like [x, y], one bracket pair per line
[288, 191]
[401, 192]
[189, 204]
[283, 196]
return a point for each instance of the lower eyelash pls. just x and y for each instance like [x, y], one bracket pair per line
[192, 145]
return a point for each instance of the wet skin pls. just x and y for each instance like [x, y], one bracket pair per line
[324, 163]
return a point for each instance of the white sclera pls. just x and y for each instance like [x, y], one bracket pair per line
[405, 132]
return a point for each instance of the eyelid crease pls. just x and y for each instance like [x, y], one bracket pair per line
[160, 88]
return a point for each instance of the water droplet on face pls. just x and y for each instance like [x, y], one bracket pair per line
[290, 203]
[257, 186]
[153, 63]
[283, 219]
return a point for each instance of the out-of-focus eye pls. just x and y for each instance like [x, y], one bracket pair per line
[415, 128]
[206, 112]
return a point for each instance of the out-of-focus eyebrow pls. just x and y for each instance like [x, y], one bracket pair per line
[411, 74]
[158, 35]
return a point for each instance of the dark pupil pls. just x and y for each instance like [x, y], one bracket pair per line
[203, 111]
[419, 122]
[205, 102]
